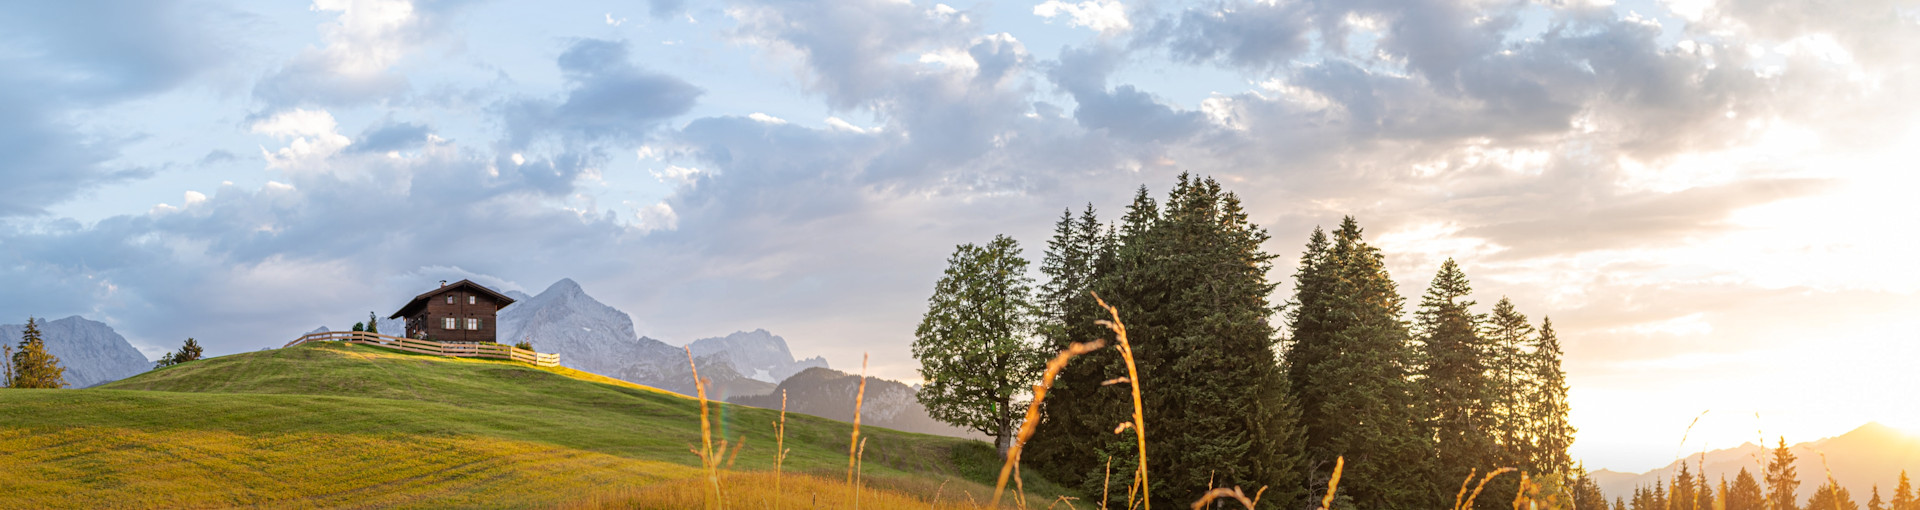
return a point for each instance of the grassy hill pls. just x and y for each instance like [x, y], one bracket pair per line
[337, 425]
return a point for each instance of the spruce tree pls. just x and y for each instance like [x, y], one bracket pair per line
[1781, 480]
[373, 323]
[1454, 383]
[972, 343]
[1746, 494]
[33, 366]
[1683, 490]
[1552, 430]
[1514, 391]
[1349, 362]
[1831, 497]
[1903, 494]
[1876, 503]
[1587, 494]
[1703, 491]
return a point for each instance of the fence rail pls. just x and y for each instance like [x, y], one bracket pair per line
[452, 349]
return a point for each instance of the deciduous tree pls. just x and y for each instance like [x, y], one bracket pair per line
[974, 343]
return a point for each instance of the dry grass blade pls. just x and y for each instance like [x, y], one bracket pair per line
[1478, 488]
[780, 442]
[1033, 409]
[736, 451]
[1223, 492]
[1461, 496]
[1106, 478]
[1333, 484]
[1062, 499]
[708, 461]
[1116, 380]
[1139, 413]
[1520, 496]
[854, 443]
[862, 456]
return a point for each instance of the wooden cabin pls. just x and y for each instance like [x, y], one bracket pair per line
[462, 311]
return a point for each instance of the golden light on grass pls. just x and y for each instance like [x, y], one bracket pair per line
[1139, 414]
[1033, 410]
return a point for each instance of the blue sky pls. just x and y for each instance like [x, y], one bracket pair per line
[1709, 197]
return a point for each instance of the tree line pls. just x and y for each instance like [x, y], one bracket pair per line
[29, 365]
[1413, 404]
[1776, 489]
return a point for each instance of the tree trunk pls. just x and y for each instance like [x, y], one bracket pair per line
[1003, 440]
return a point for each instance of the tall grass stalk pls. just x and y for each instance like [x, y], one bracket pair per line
[1333, 483]
[1458, 504]
[1033, 410]
[1139, 414]
[708, 461]
[853, 445]
[780, 442]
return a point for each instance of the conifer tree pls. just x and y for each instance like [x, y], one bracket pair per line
[1903, 498]
[1781, 480]
[1746, 494]
[1453, 380]
[1831, 497]
[1876, 503]
[1552, 430]
[1683, 490]
[1720, 501]
[1507, 337]
[33, 366]
[1348, 362]
[1703, 491]
[972, 343]
[1587, 494]
[1074, 437]
[373, 323]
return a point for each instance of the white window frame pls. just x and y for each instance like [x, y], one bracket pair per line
[449, 299]
[473, 300]
[447, 323]
[473, 324]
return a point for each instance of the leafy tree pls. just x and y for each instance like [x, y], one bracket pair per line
[1903, 497]
[1454, 382]
[1349, 361]
[166, 360]
[1782, 480]
[1831, 497]
[33, 366]
[523, 345]
[1745, 493]
[972, 343]
[359, 326]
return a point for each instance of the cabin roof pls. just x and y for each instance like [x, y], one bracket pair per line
[420, 301]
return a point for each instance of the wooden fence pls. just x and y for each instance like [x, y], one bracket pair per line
[454, 349]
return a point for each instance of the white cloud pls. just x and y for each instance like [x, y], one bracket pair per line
[312, 134]
[766, 119]
[1105, 16]
[659, 216]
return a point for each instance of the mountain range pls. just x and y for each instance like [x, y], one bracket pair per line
[92, 352]
[828, 393]
[1868, 456]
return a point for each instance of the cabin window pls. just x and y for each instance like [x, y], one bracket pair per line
[449, 300]
[472, 300]
[473, 324]
[446, 323]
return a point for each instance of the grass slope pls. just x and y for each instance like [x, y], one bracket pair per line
[337, 425]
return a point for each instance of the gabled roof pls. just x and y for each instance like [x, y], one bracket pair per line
[420, 301]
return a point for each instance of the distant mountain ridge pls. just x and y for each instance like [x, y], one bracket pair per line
[92, 352]
[1873, 454]
[829, 393]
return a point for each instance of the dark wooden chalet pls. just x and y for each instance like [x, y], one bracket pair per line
[459, 312]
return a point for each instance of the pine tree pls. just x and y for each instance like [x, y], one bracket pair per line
[1781, 480]
[1746, 493]
[1074, 437]
[373, 323]
[1903, 494]
[1552, 429]
[972, 343]
[1876, 503]
[33, 366]
[1349, 361]
[1454, 382]
[1507, 336]
[1587, 494]
[1831, 497]
[1683, 490]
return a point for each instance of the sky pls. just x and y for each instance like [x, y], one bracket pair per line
[1712, 199]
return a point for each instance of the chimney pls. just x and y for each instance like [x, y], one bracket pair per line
[443, 283]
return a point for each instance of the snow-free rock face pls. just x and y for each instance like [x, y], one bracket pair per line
[594, 337]
[759, 355]
[91, 351]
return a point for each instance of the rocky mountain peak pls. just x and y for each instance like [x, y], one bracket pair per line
[92, 352]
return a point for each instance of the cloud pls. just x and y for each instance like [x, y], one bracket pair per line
[391, 137]
[1105, 16]
[608, 98]
[358, 64]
